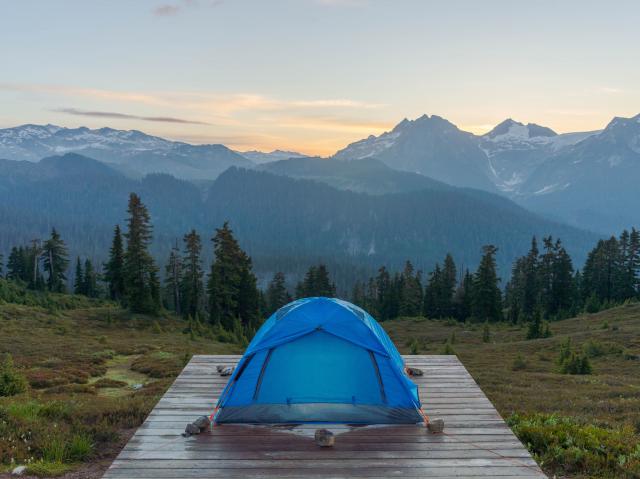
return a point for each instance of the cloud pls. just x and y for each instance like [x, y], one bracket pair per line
[170, 9]
[166, 10]
[243, 119]
[126, 116]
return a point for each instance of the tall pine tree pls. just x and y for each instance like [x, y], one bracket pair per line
[142, 290]
[277, 294]
[173, 279]
[191, 287]
[232, 286]
[78, 282]
[114, 268]
[487, 298]
[56, 260]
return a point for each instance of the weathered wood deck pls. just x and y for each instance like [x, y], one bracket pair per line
[476, 443]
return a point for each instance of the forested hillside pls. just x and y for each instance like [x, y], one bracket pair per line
[283, 223]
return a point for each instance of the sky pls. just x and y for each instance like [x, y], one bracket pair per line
[315, 75]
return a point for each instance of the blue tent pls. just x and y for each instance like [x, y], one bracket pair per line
[320, 360]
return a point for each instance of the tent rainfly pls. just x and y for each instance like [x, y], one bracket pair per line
[320, 360]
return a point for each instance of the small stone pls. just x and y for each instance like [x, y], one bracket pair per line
[436, 425]
[18, 471]
[227, 371]
[203, 423]
[414, 371]
[325, 438]
[192, 429]
[136, 387]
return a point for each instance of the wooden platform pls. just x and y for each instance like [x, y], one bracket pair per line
[476, 443]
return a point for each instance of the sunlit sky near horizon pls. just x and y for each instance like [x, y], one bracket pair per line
[315, 75]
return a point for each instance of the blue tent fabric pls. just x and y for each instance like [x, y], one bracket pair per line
[320, 360]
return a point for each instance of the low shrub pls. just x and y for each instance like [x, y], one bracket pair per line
[571, 362]
[448, 348]
[109, 383]
[567, 446]
[519, 363]
[594, 348]
[158, 364]
[12, 382]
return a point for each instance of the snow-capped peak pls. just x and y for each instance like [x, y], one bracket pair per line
[511, 129]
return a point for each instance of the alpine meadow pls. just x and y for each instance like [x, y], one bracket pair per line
[319, 238]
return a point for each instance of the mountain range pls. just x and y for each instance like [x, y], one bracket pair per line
[132, 152]
[588, 179]
[284, 223]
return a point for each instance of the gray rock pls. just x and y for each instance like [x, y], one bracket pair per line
[227, 371]
[191, 429]
[436, 425]
[203, 423]
[137, 386]
[18, 471]
[324, 438]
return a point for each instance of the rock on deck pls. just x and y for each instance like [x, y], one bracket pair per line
[476, 442]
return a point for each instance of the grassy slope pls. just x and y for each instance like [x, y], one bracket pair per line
[67, 355]
[81, 365]
[611, 394]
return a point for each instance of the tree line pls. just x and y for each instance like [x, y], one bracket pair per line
[543, 283]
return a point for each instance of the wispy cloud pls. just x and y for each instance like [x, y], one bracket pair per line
[170, 9]
[126, 116]
[244, 119]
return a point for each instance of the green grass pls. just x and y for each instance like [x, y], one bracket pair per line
[81, 366]
[523, 377]
[569, 447]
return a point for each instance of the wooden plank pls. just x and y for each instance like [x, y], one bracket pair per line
[477, 442]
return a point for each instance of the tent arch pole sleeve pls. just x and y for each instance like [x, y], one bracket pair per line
[383, 395]
[262, 370]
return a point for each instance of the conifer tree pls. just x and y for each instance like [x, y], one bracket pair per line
[463, 297]
[433, 294]
[562, 283]
[277, 295]
[114, 268]
[56, 260]
[232, 286]
[531, 282]
[487, 298]
[411, 292]
[142, 289]
[173, 279]
[90, 280]
[78, 282]
[191, 286]
[16, 267]
[386, 298]
[316, 282]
